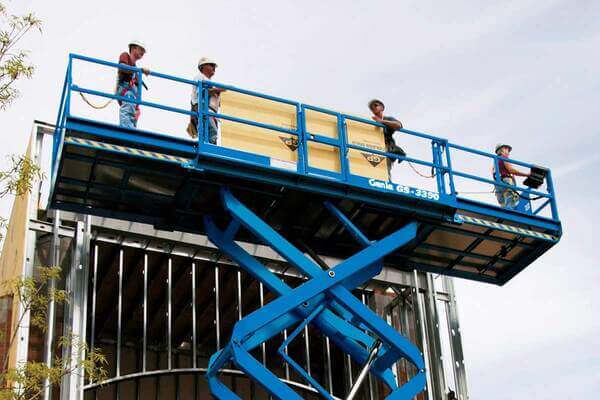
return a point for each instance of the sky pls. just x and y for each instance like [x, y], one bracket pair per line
[476, 72]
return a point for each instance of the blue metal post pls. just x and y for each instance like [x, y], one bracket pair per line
[343, 138]
[303, 152]
[550, 186]
[449, 171]
[203, 114]
[68, 99]
[60, 125]
[437, 160]
[140, 85]
[61, 110]
[497, 176]
[199, 121]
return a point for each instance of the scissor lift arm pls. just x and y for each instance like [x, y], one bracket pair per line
[324, 300]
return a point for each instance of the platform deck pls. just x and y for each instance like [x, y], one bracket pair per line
[106, 170]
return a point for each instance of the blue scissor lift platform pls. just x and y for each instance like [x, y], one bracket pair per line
[232, 195]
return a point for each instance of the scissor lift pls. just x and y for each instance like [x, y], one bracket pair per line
[324, 192]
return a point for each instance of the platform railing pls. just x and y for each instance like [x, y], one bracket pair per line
[304, 136]
[495, 159]
[440, 162]
[204, 113]
[70, 86]
[63, 112]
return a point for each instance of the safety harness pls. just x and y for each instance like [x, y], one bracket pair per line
[132, 85]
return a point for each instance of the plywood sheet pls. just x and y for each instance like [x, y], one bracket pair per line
[254, 139]
[12, 258]
[283, 146]
[324, 156]
[320, 155]
[361, 162]
[319, 123]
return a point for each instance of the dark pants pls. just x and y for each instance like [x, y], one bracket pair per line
[391, 147]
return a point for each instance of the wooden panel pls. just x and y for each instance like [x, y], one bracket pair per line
[260, 141]
[321, 155]
[258, 109]
[6, 324]
[324, 156]
[362, 162]
[253, 139]
[283, 146]
[12, 259]
[321, 124]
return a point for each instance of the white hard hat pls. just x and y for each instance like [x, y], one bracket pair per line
[501, 145]
[373, 101]
[138, 43]
[206, 60]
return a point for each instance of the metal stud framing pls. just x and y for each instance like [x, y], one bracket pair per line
[217, 309]
[194, 321]
[458, 363]
[169, 314]
[145, 311]
[49, 340]
[75, 317]
[427, 319]
[426, 323]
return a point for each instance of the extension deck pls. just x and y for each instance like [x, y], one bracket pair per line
[141, 176]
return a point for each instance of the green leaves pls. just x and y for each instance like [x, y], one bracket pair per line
[18, 179]
[32, 377]
[14, 64]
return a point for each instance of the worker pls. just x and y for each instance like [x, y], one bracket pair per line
[391, 125]
[127, 84]
[507, 197]
[206, 68]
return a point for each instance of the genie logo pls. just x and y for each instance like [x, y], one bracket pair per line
[376, 183]
[290, 142]
[373, 159]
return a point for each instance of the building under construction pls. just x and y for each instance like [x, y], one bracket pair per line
[286, 266]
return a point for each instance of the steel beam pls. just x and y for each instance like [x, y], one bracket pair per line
[458, 362]
[438, 382]
[74, 328]
[50, 320]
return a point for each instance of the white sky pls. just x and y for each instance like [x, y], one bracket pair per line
[476, 72]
